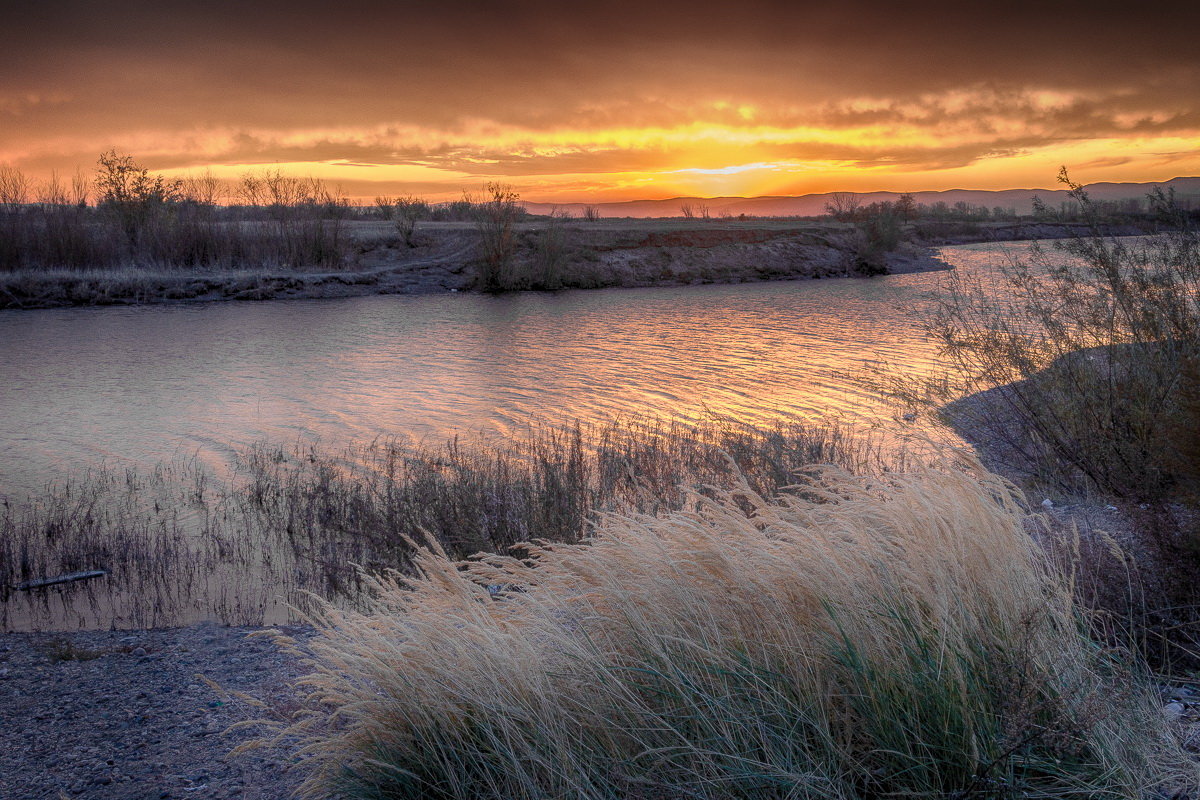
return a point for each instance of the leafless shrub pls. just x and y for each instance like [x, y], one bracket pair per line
[52, 192]
[1077, 371]
[404, 213]
[495, 217]
[81, 188]
[1088, 347]
[843, 206]
[205, 189]
[550, 253]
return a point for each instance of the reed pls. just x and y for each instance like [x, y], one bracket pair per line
[855, 637]
[180, 543]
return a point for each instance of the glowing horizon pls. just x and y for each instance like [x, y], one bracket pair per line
[603, 105]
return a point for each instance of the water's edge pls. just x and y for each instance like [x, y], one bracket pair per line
[449, 263]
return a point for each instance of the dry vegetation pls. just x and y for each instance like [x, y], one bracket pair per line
[886, 634]
[180, 543]
[144, 221]
[127, 235]
[662, 611]
[1077, 372]
[852, 638]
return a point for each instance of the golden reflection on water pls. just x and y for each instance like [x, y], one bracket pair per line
[137, 386]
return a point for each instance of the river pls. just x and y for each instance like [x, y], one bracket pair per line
[141, 385]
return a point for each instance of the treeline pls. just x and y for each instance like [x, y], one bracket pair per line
[123, 215]
[848, 207]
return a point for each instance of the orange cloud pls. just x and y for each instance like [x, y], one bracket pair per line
[607, 101]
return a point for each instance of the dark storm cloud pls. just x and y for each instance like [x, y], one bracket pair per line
[535, 62]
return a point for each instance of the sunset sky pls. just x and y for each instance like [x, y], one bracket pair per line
[600, 101]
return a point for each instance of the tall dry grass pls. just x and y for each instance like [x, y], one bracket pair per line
[180, 543]
[176, 236]
[858, 637]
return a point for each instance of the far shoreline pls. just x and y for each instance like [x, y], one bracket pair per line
[445, 258]
[603, 255]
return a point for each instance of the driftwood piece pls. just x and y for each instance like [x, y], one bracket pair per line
[70, 577]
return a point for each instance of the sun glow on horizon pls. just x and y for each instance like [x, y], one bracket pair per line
[606, 102]
[732, 147]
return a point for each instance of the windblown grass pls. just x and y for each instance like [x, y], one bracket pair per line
[180, 543]
[857, 637]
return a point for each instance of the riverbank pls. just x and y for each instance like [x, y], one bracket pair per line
[132, 714]
[445, 257]
[126, 715]
[932, 233]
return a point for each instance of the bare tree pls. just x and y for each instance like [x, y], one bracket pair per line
[81, 188]
[688, 210]
[131, 193]
[404, 213]
[843, 206]
[204, 189]
[14, 187]
[591, 213]
[52, 192]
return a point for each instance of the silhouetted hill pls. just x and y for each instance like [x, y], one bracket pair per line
[1187, 189]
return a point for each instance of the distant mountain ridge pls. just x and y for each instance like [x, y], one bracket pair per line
[808, 205]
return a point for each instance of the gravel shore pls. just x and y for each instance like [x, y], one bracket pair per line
[128, 715]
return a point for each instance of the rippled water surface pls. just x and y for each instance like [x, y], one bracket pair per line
[81, 387]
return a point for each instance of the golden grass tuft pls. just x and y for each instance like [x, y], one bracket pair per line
[857, 637]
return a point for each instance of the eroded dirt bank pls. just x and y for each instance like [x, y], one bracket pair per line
[447, 257]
